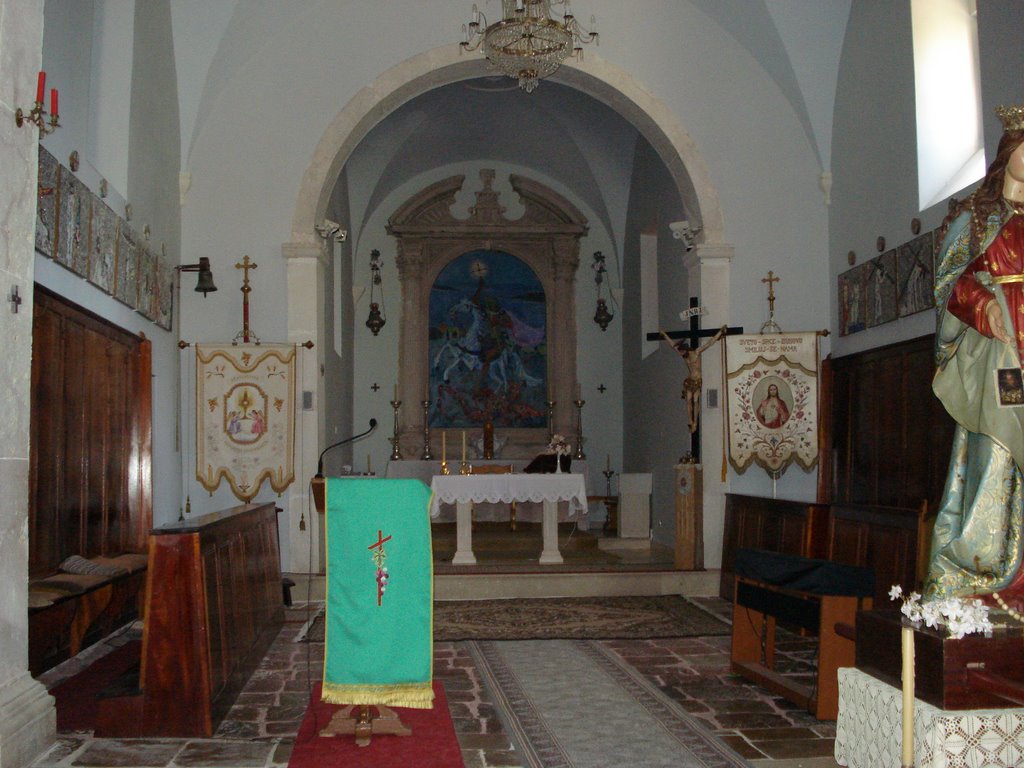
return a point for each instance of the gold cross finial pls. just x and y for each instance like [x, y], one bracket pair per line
[246, 265]
[771, 280]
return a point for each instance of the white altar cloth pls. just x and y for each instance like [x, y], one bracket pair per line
[869, 730]
[547, 489]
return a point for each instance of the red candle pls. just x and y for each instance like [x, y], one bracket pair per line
[53, 102]
[40, 87]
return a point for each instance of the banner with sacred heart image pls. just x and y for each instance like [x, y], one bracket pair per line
[245, 425]
[772, 385]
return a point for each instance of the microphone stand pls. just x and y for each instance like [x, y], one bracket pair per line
[319, 483]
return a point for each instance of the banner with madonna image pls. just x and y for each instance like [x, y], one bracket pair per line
[772, 402]
[245, 425]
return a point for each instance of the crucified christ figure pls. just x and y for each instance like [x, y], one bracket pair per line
[693, 383]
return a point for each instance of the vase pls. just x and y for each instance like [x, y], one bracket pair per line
[558, 463]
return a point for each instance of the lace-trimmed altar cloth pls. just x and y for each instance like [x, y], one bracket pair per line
[869, 730]
[452, 489]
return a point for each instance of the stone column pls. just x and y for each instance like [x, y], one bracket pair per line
[412, 349]
[28, 720]
[306, 264]
[562, 368]
[708, 269]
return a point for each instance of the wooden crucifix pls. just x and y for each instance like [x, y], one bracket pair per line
[692, 385]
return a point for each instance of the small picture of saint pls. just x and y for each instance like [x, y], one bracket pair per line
[1010, 386]
[774, 403]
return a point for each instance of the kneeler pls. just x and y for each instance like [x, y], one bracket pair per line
[379, 608]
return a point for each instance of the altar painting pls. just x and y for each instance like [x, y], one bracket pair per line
[487, 343]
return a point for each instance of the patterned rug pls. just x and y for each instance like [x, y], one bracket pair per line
[568, 618]
[576, 704]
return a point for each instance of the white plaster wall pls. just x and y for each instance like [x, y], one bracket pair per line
[875, 192]
[244, 181]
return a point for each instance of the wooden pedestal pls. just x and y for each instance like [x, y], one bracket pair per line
[689, 549]
[943, 667]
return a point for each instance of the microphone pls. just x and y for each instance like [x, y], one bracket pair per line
[318, 483]
[320, 461]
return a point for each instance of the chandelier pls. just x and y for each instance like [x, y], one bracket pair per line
[528, 43]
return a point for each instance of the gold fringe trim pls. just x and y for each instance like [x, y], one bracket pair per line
[412, 695]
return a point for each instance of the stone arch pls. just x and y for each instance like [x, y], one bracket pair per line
[447, 64]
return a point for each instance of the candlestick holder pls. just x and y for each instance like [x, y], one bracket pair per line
[426, 455]
[608, 475]
[551, 420]
[36, 116]
[444, 468]
[464, 467]
[579, 429]
[396, 449]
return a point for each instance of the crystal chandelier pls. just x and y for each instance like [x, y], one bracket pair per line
[528, 43]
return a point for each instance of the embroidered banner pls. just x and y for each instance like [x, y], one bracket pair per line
[772, 384]
[245, 426]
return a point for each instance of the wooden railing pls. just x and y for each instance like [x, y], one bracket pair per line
[213, 606]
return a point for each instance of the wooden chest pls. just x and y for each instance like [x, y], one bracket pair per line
[943, 667]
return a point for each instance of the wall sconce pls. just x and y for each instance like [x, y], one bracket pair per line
[602, 316]
[35, 116]
[378, 315]
[204, 284]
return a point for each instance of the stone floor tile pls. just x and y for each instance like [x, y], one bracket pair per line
[129, 753]
[224, 754]
[788, 749]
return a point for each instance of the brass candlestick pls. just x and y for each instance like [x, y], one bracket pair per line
[396, 450]
[444, 468]
[551, 420]
[464, 467]
[579, 429]
[426, 455]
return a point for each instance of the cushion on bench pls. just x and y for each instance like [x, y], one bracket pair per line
[70, 583]
[78, 565]
[129, 562]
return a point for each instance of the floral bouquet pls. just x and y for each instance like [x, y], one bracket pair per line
[960, 617]
[559, 446]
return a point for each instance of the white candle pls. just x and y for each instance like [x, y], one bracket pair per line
[395, 398]
[463, 446]
[444, 445]
[907, 752]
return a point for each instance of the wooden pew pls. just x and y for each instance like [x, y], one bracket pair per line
[213, 606]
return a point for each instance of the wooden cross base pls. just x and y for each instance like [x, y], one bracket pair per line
[357, 720]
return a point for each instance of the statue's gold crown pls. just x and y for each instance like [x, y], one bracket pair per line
[1011, 117]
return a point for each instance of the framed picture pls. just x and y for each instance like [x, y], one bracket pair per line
[164, 292]
[1010, 387]
[73, 223]
[916, 275]
[46, 203]
[147, 304]
[880, 289]
[126, 287]
[103, 239]
[851, 300]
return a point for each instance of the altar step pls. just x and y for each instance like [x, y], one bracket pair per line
[496, 585]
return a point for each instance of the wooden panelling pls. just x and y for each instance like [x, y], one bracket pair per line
[891, 436]
[89, 467]
[213, 605]
[885, 539]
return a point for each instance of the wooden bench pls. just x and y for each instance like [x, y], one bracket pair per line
[812, 595]
[69, 611]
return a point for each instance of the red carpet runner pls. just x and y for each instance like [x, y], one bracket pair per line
[433, 743]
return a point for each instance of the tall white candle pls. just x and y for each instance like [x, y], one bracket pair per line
[463, 446]
[444, 445]
[907, 751]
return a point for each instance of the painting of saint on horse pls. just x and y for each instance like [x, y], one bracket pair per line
[488, 343]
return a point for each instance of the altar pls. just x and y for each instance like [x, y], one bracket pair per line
[549, 490]
[485, 511]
